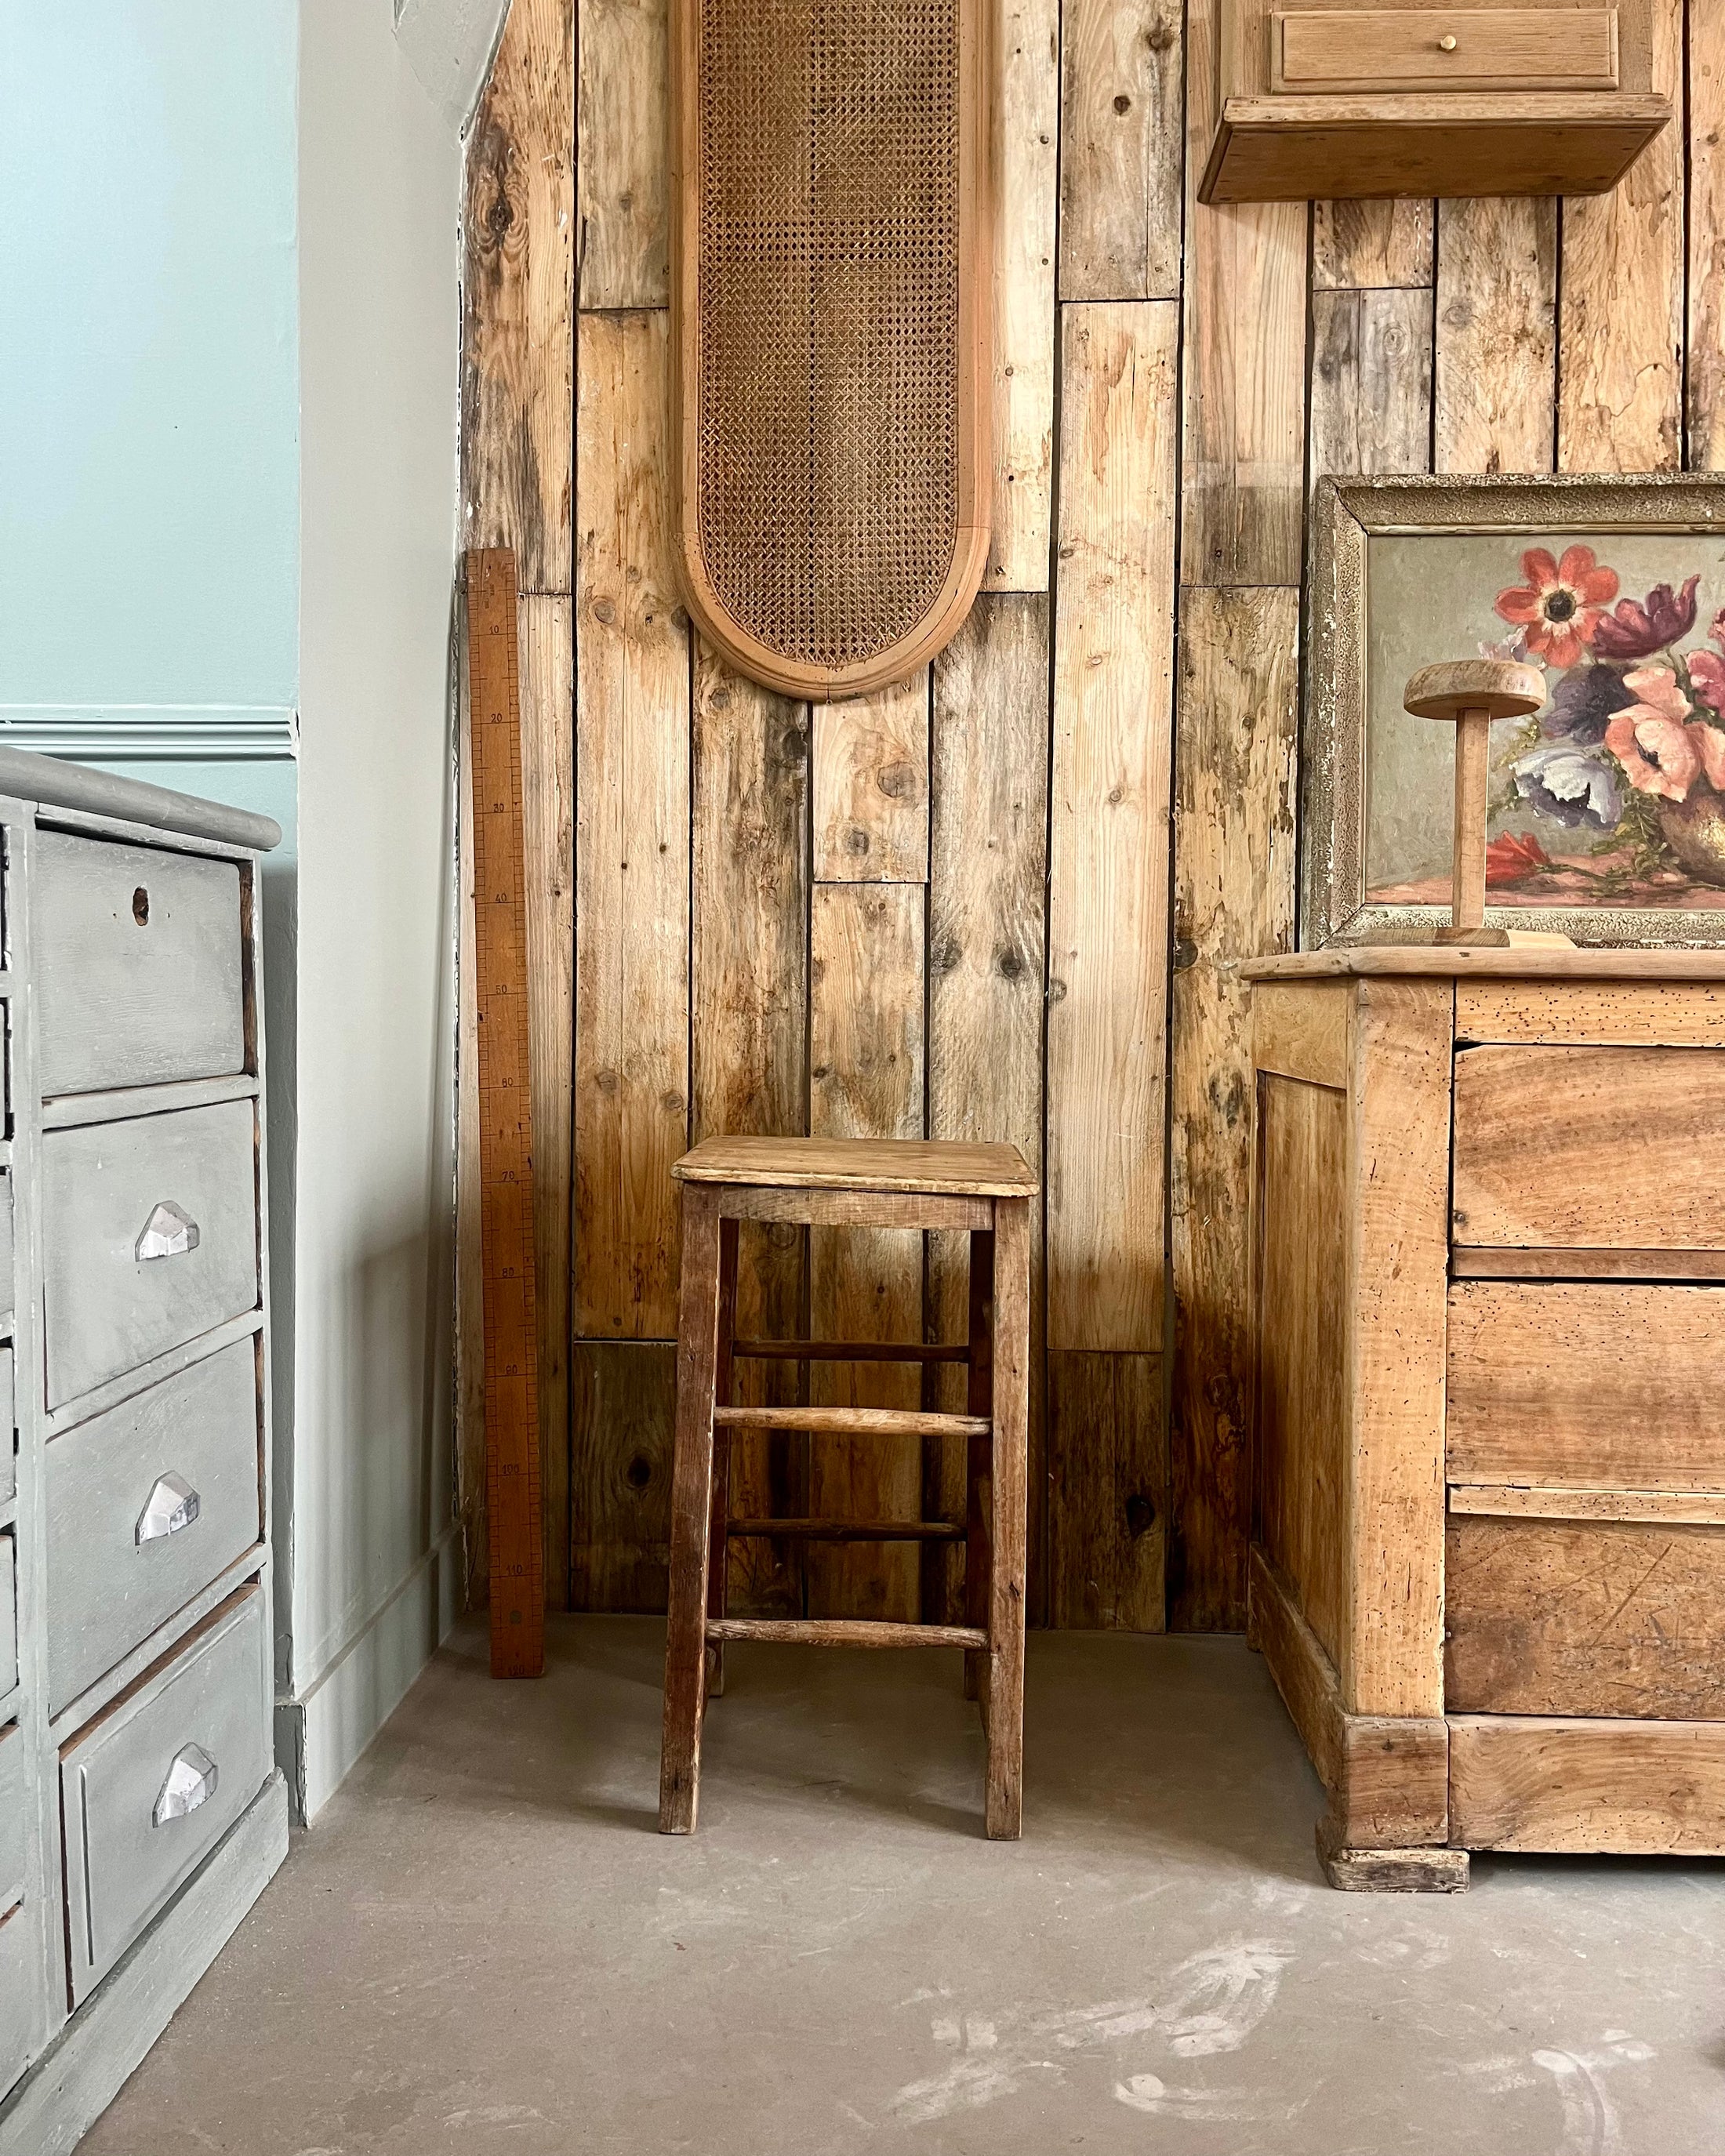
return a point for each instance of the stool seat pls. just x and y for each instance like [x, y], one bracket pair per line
[937, 1165]
[981, 1191]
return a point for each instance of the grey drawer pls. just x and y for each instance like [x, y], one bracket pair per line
[23, 1997]
[9, 1428]
[145, 1505]
[6, 1286]
[139, 978]
[127, 1783]
[105, 1309]
[8, 1619]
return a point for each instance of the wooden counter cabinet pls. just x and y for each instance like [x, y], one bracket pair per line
[1488, 1537]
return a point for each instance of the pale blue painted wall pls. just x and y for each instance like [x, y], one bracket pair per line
[149, 427]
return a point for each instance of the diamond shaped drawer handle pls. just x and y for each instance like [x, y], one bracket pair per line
[190, 1782]
[168, 1233]
[173, 1505]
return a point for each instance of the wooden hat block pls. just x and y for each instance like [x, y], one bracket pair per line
[1469, 694]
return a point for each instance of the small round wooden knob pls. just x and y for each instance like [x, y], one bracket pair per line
[1502, 688]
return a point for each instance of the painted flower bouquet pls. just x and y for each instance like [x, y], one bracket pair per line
[1632, 744]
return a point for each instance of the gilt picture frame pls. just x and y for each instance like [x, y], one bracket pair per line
[1606, 824]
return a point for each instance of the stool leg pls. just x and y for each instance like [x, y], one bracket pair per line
[692, 1512]
[718, 1544]
[978, 1401]
[1011, 1434]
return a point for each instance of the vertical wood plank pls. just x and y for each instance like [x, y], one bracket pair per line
[632, 841]
[623, 123]
[1109, 812]
[1009, 1378]
[622, 1418]
[1026, 116]
[547, 690]
[750, 1053]
[1108, 1492]
[1237, 730]
[1371, 382]
[871, 786]
[1359, 246]
[987, 960]
[1243, 362]
[470, 1270]
[865, 1080]
[1706, 415]
[1398, 1265]
[1120, 150]
[1495, 378]
[517, 396]
[1620, 338]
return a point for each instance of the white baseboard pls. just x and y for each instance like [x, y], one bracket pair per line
[319, 1734]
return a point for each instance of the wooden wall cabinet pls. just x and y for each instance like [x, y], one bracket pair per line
[1498, 97]
[1488, 1544]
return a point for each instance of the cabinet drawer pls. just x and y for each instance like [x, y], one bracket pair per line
[22, 1999]
[1589, 1148]
[182, 1186]
[139, 970]
[1596, 1385]
[8, 1619]
[7, 1292]
[146, 1504]
[8, 1427]
[149, 1787]
[1435, 49]
[1585, 1617]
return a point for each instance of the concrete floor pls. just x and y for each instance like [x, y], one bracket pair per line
[484, 1945]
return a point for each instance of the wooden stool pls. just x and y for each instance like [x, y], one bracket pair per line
[861, 1182]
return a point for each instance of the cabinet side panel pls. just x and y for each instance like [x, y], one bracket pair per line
[1302, 1467]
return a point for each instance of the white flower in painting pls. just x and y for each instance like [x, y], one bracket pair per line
[1571, 785]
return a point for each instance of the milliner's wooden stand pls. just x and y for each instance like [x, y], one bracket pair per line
[1488, 1545]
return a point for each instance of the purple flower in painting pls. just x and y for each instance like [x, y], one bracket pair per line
[1571, 787]
[1583, 703]
[1635, 628]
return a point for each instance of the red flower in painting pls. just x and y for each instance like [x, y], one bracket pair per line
[1560, 607]
[1515, 856]
[1706, 677]
[1656, 753]
[1638, 628]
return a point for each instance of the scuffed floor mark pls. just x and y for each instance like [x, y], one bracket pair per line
[1149, 2093]
[1212, 2002]
[1591, 2126]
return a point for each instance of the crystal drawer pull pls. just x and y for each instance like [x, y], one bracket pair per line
[173, 1505]
[168, 1233]
[190, 1782]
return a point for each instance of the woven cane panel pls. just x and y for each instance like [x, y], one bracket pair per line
[826, 286]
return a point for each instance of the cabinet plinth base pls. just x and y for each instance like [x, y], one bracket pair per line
[1389, 1870]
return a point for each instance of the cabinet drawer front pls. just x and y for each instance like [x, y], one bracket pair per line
[1589, 1148]
[14, 1841]
[6, 1253]
[8, 1426]
[1594, 1384]
[1585, 1617]
[22, 2004]
[138, 966]
[1417, 49]
[151, 1787]
[146, 1504]
[8, 1617]
[113, 1190]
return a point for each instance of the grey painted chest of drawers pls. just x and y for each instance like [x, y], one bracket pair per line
[140, 1811]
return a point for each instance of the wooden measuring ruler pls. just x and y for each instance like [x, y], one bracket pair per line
[506, 1111]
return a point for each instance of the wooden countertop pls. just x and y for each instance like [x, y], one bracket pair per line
[1356, 961]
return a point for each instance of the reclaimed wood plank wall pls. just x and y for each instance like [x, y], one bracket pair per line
[1009, 898]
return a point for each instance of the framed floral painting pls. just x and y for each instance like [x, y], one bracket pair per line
[1607, 807]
